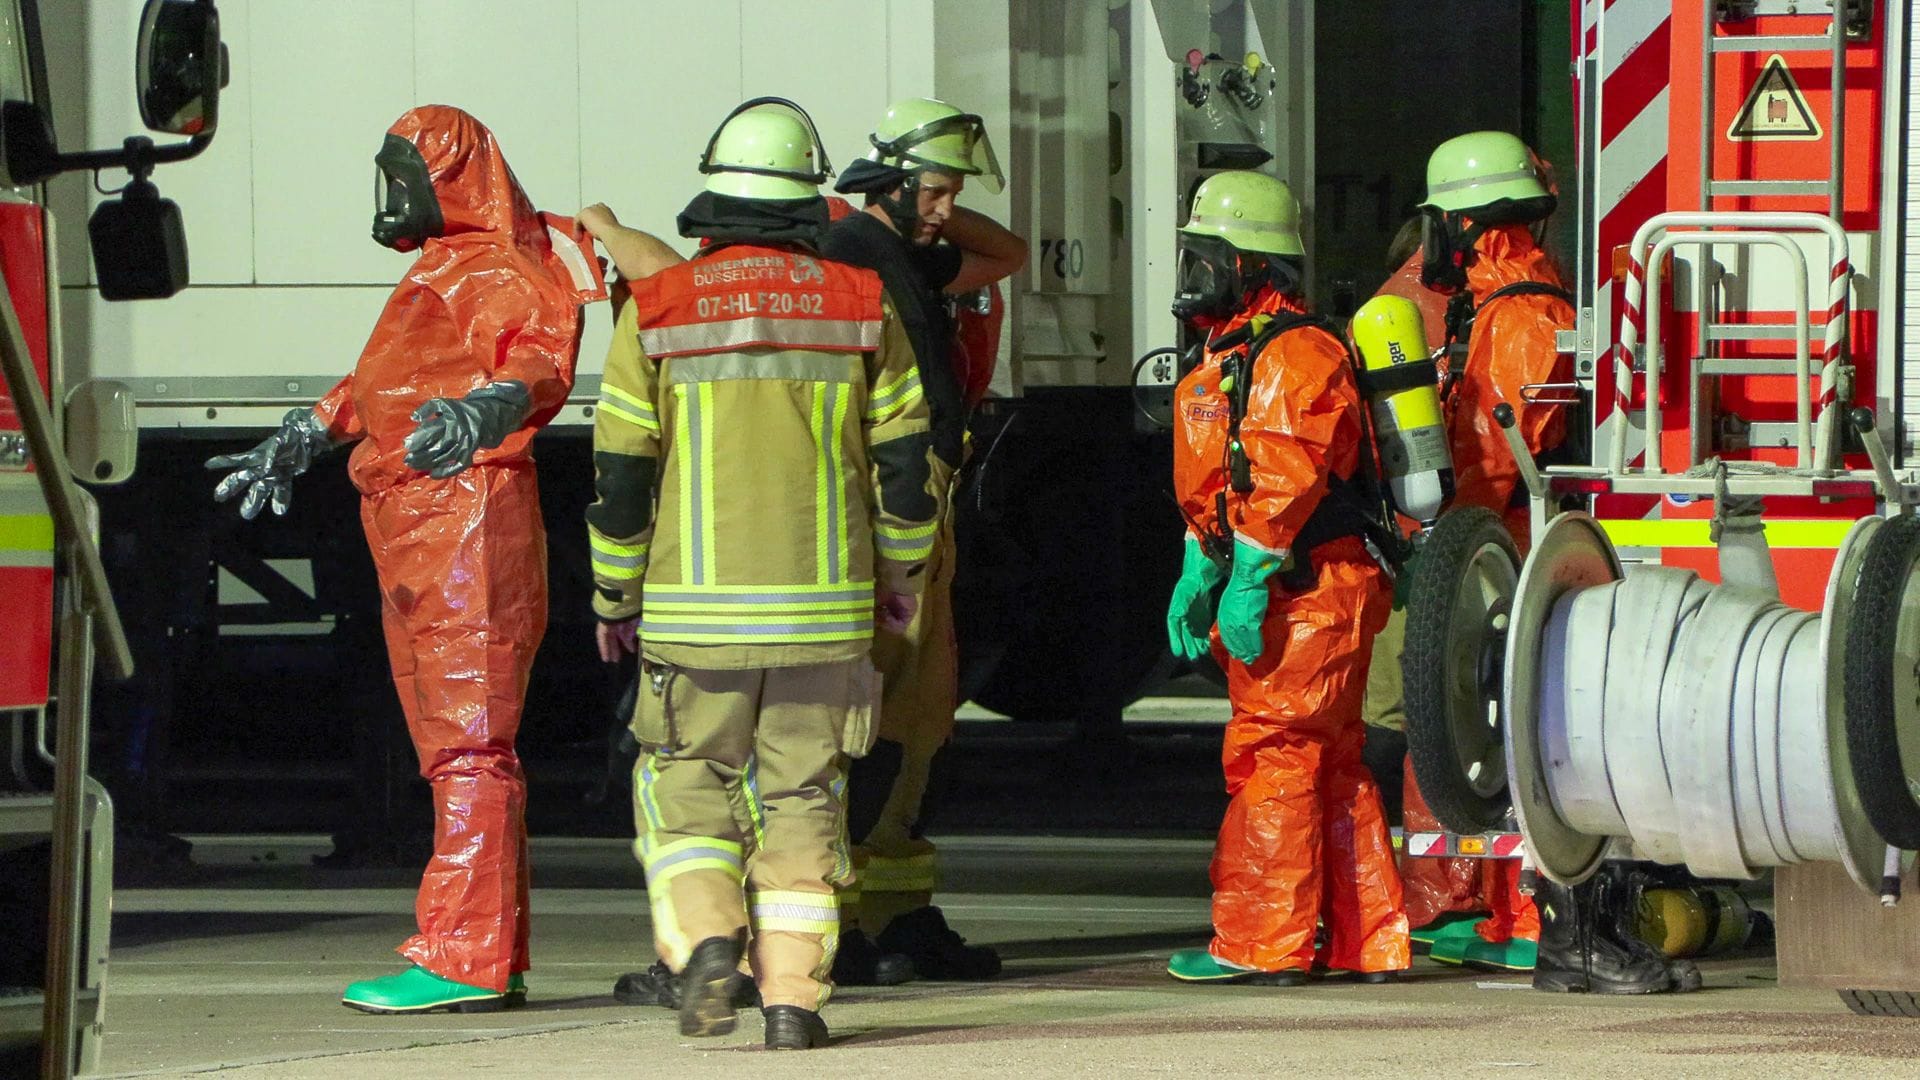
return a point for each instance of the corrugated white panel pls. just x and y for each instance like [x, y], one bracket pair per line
[320, 125]
[656, 76]
[831, 56]
[223, 331]
[516, 66]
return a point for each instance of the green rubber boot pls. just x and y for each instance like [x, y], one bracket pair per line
[1201, 966]
[1452, 949]
[1517, 954]
[417, 990]
[1447, 926]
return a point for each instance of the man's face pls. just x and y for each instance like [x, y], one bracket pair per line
[937, 192]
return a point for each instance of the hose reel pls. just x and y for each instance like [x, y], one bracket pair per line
[1709, 725]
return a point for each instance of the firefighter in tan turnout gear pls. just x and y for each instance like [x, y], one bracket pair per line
[763, 466]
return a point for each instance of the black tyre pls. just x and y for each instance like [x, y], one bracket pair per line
[1458, 603]
[1899, 1003]
[1882, 688]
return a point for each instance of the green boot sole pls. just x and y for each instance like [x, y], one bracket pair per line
[1518, 954]
[1452, 951]
[1201, 966]
[1445, 927]
[417, 990]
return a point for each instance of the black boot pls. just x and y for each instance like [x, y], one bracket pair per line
[657, 986]
[937, 952]
[1618, 904]
[790, 1027]
[1577, 957]
[859, 962]
[707, 987]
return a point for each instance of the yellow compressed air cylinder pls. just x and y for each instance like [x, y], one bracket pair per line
[1407, 423]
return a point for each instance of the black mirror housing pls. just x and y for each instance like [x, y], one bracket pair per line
[181, 67]
[139, 245]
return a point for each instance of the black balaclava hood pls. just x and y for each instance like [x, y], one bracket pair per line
[729, 219]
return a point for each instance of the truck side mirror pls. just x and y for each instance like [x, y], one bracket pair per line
[102, 436]
[181, 66]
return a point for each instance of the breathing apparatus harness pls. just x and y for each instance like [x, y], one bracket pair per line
[1354, 506]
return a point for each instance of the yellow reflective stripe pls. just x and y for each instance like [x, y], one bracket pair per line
[822, 464]
[26, 532]
[843, 546]
[774, 606]
[746, 638]
[640, 405]
[708, 531]
[606, 546]
[886, 390]
[880, 412]
[756, 813]
[1694, 533]
[706, 587]
[685, 451]
[910, 532]
[613, 572]
[611, 409]
[696, 843]
[744, 618]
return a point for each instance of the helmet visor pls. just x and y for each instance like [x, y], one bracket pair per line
[1206, 276]
[954, 143]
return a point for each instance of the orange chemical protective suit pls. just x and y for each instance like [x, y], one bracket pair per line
[1511, 346]
[1304, 837]
[462, 561]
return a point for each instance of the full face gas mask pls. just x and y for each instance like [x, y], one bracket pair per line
[405, 210]
[1212, 278]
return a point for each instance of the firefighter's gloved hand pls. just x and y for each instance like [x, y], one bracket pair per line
[1190, 611]
[1243, 605]
[452, 430]
[266, 472]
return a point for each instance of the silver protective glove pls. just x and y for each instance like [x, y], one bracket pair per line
[266, 472]
[452, 430]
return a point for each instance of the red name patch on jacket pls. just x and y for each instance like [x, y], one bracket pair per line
[741, 296]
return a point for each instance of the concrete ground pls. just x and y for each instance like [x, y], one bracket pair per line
[241, 975]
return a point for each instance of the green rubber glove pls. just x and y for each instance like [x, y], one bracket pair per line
[1190, 611]
[1243, 606]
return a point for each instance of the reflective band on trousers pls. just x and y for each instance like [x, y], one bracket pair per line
[669, 861]
[796, 912]
[664, 341]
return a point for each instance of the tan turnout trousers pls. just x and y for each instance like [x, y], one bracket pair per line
[895, 870]
[777, 738]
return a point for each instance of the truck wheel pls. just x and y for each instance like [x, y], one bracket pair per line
[1458, 603]
[1882, 685]
[1900, 1003]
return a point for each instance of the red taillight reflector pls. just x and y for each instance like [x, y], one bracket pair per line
[1845, 489]
[1578, 485]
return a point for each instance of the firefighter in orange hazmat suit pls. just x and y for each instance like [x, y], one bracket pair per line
[1268, 465]
[473, 353]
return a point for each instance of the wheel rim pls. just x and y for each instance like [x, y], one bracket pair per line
[1481, 610]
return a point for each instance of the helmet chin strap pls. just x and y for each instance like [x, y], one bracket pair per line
[904, 210]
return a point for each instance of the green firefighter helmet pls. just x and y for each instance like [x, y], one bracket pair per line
[766, 148]
[1252, 211]
[1480, 168]
[921, 133]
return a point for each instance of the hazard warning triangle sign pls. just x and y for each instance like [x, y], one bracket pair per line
[1775, 108]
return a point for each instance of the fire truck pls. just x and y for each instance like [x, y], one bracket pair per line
[56, 821]
[1707, 658]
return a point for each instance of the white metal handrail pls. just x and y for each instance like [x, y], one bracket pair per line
[1634, 329]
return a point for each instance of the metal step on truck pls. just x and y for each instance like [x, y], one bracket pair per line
[56, 821]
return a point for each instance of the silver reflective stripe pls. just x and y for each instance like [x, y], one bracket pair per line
[624, 562]
[909, 547]
[900, 389]
[798, 365]
[1476, 181]
[823, 912]
[689, 854]
[1212, 221]
[848, 596]
[855, 626]
[663, 341]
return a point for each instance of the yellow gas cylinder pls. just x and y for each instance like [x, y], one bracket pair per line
[1407, 423]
